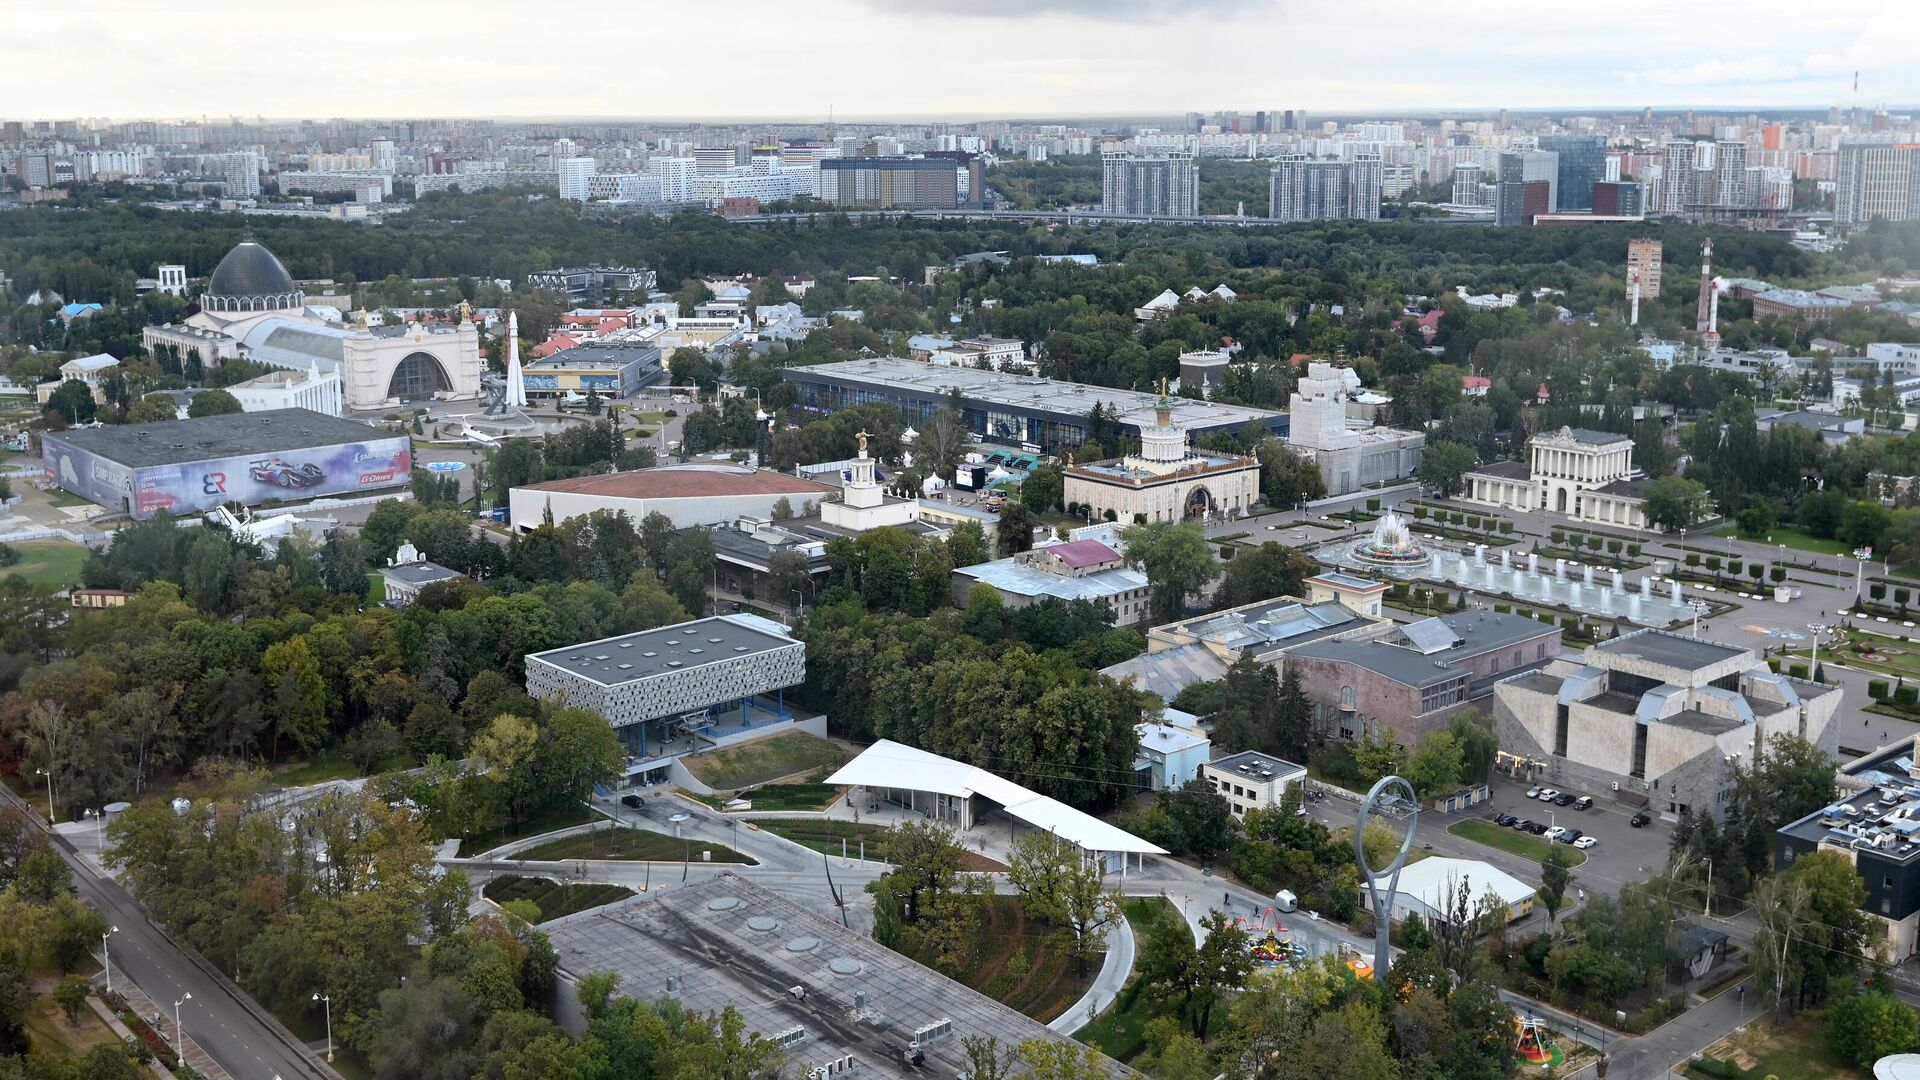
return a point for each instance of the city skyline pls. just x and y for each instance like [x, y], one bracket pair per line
[995, 60]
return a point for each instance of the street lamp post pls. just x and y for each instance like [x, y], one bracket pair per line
[328, 1002]
[106, 958]
[180, 1033]
[1699, 609]
[48, 773]
[1709, 906]
[99, 824]
[1860, 557]
[1813, 671]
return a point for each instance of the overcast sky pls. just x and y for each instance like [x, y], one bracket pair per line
[957, 58]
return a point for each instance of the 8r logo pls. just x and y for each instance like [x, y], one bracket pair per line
[213, 483]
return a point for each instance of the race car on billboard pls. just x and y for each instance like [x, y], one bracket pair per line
[281, 474]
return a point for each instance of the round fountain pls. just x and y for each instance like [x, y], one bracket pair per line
[1391, 547]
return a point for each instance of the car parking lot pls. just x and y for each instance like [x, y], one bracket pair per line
[1620, 852]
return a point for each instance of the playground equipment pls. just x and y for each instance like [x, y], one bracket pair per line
[1530, 1040]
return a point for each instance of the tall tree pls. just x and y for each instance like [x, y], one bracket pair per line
[1177, 560]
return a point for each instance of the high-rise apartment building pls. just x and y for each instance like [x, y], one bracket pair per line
[576, 177]
[1876, 180]
[1644, 262]
[1303, 188]
[1527, 182]
[1676, 176]
[1619, 198]
[1583, 162]
[1730, 175]
[241, 171]
[1163, 184]
[34, 168]
[890, 183]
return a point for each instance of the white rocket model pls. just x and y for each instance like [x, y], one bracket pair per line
[516, 384]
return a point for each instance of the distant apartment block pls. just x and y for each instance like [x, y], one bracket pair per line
[1876, 180]
[890, 183]
[1165, 184]
[1303, 188]
[1644, 263]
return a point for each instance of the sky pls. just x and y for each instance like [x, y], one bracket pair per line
[957, 59]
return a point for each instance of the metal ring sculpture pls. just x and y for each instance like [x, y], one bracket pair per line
[1381, 798]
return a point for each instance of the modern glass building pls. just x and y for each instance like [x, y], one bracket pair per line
[1008, 410]
[1583, 163]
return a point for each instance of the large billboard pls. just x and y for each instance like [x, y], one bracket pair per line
[196, 486]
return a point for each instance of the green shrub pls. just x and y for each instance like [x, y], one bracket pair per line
[1877, 689]
[1798, 671]
[1420, 513]
[1907, 696]
[1504, 609]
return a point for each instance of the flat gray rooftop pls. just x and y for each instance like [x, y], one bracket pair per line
[171, 442]
[681, 647]
[1040, 395]
[728, 941]
[1671, 650]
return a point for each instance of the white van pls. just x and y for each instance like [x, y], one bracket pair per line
[1284, 900]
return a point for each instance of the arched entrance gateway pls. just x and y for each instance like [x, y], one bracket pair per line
[418, 375]
[1199, 502]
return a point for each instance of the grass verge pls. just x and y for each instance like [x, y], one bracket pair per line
[826, 835]
[553, 898]
[1121, 1031]
[753, 763]
[632, 845]
[1526, 845]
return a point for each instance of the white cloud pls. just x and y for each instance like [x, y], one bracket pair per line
[1719, 72]
[957, 58]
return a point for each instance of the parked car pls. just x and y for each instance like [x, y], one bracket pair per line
[1569, 836]
[1537, 828]
[1523, 825]
[1565, 798]
[1505, 820]
[1638, 820]
[1548, 794]
[1585, 842]
[1534, 791]
[633, 801]
[1556, 832]
[1583, 802]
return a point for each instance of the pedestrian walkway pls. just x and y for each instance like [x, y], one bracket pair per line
[162, 1020]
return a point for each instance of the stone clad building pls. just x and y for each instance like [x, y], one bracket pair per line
[1585, 475]
[1656, 719]
[1167, 480]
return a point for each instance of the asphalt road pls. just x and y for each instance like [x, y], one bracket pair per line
[215, 1020]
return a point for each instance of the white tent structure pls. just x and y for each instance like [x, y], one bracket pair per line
[1428, 889]
[946, 790]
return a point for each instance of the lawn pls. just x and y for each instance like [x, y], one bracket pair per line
[1797, 538]
[552, 898]
[56, 563]
[49, 1032]
[793, 796]
[758, 762]
[1519, 843]
[1020, 964]
[631, 845]
[1793, 1048]
[376, 589]
[61, 498]
[826, 834]
[506, 833]
[1120, 1032]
